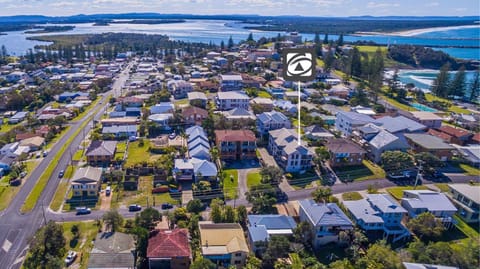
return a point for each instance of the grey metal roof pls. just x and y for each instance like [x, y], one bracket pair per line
[272, 222]
[410, 265]
[472, 192]
[274, 116]
[324, 214]
[111, 260]
[119, 129]
[363, 210]
[384, 138]
[232, 95]
[102, 148]
[90, 173]
[357, 118]
[428, 141]
[385, 203]
[432, 201]
[196, 95]
[400, 123]
[258, 233]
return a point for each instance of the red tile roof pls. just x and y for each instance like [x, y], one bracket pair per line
[455, 132]
[441, 135]
[235, 135]
[168, 244]
[193, 110]
[476, 138]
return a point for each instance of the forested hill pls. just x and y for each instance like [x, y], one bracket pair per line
[422, 57]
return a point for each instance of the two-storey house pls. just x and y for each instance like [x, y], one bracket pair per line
[326, 221]
[231, 100]
[86, 182]
[273, 120]
[236, 144]
[231, 83]
[179, 88]
[467, 199]
[344, 152]
[347, 122]
[292, 157]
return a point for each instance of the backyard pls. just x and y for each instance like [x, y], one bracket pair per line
[138, 153]
[83, 244]
[366, 171]
[230, 183]
[253, 179]
[397, 192]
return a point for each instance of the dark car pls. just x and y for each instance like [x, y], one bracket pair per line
[134, 207]
[60, 175]
[83, 210]
[167, 206]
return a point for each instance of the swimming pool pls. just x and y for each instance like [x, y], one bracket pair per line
[423, 107]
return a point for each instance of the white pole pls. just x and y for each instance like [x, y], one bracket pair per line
[299, 106]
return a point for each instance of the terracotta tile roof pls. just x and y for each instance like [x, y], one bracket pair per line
[193, 110]
[344, 146]
[441, 135]
[455, 132]
[234, 135]
[476, 137]
[23, 136]
[169, 243]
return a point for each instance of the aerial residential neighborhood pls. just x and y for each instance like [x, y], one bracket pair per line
[187, 155]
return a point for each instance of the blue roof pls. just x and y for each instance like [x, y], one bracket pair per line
[324, 214]
[400, 123]
[258, 233]
[272, 222]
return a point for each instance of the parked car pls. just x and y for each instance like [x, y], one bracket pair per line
[83, 210]
[71, 255]
[172, 135]
[108, 190]
[38, 155]
[60, 175]
[167, 206]
[134, 207]
[45, 153]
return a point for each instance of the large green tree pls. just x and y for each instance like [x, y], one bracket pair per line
[426, 225]
[202, 263]
[46, 248]
[396, 161]
[147, 218]
[271, 174]
[474, 90]
[322, 194]
[458, 85]
[380, 256]
[112, 220]
[263, 197]
[440, 86]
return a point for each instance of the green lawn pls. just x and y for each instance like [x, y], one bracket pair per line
[301, 181]
[181, 102]
[366, 171]
[230, 184]
[83, 245]
[264, 94]
[253, 179]
[296, 261]
[351, 196]
[443, 187]
[5, 127]
[7, 192]
[466, 229]
[398, 105]
[77, 156]
[452, 108]
[397, 192]
[121, 146]
[470, 170]
[137, 154]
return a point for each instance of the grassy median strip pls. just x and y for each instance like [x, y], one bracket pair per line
[62, 189]
[32, 198]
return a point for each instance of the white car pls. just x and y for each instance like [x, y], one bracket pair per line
[70, 257]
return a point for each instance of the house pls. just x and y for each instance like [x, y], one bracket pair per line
[231, 100]
[347, 122]
[197, 143]
[236, 144]
[293, 96]
[420, 201]
[326, 219]
[363, 110]
[162, 120]
[410, 265]
[344, 152]
[429, 119]
[18, 117]
[120, 131]
[292, 157]
[194, 115]
[101, 152]
[161, 108]
[69, 96]
[429, 143]
[273, 120]
[238, 113]
[379, 212]
[400, 124]
[467, 199]
[86, 182]
[179, 88]
[470, 154]
[231, 83]
[112, 250]
[261, 227]
[456, 135]
[223, 243]
[169, 249]
[266, 104]
[33, 143]
[9, 149]
[131, 101]
[286, 106]
[195, 170]
[316, 132]
[120, 121]
[377, 140]
[198, 99]
[16, 76]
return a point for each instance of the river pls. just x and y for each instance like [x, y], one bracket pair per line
[216, 31]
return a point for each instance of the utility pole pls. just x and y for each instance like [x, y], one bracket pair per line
[419, 174]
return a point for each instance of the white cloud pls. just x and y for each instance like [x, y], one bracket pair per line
[381, 5]
[62, 4]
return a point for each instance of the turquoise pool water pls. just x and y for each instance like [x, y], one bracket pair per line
[423, 107]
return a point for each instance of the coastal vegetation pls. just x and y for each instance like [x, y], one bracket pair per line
[50, 29]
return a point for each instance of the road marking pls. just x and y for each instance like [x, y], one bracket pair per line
[6, 245]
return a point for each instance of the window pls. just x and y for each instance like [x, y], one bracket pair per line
[238, 254]
[238, 262]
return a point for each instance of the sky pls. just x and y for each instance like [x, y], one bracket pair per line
[329, 8]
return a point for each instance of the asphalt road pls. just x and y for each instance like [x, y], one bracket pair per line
[17, 228]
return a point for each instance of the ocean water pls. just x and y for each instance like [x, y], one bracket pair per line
[423, 79]
[216, 31]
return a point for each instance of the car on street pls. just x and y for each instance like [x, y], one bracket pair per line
[71, 255]
[61, 173]
[83, 210]
[167, 206]
[134, 207]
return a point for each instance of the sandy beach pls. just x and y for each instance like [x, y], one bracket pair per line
[415, 32]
